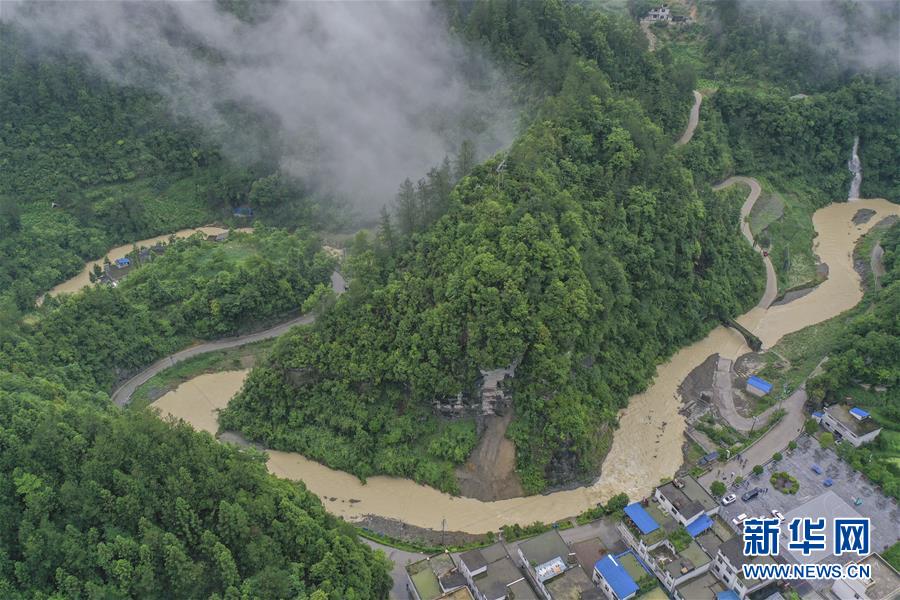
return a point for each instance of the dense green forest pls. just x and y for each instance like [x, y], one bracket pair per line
[196, 289]
[586, 254]
[89, 165]
[97, 503]
[94, 502]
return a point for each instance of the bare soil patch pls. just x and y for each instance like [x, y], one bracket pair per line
[490, 472]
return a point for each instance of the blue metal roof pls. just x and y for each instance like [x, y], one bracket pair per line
[616, 576]
[727, 595]
[818, 414]
[858, 412]
[761, 384]
[699, 525]
[123, 261]
[641, 518]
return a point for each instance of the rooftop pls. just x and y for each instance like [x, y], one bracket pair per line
[733, 550]
[462, 593]
[500, 574]
[690, 499]
[885, 580]
[543, 548]
[844, 415]
[520, 590]
[681, 563]
[641, 518]
[704, 587]
[616, 576]
[424, 580]
[588, 552]
[473, 559]
[569, 585]
[428, 574]
[760, 384]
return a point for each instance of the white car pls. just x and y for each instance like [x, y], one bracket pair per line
[777, 514]
[729, 499]
[739, 519]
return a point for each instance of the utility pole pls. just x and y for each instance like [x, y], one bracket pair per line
[443, 529]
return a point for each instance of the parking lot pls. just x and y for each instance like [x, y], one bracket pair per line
[848, 486]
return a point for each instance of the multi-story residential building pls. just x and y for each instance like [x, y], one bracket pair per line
[853, 425]
[686, 500]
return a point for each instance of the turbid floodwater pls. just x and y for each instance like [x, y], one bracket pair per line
[646, 446]
[83, 279]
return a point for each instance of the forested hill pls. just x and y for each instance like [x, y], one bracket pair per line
[585, 254]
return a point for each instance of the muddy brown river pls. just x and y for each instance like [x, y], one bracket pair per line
[83, 279]
[646, 446]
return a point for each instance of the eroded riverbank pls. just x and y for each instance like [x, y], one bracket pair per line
[646, 446]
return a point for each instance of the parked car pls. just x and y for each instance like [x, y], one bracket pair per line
[777, 514]
[828, 482]
[746, 496]
[816, 469]
[739, 519]
[729, 499]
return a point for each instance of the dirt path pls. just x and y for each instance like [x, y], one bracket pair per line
[490, 472]
[693, 120]
[651, 37]
[122, 395]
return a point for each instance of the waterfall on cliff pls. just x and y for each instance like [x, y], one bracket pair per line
[856, 168]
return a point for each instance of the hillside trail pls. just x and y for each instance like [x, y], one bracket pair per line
[647, 444]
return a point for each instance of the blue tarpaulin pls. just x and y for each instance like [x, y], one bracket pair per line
[760, 384]
[616, 576]
[859, 413]
[641, 518]
[727, 595]
[699, 525]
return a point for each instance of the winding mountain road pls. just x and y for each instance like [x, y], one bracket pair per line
[755, 190]
[693, 120]
[122, 395]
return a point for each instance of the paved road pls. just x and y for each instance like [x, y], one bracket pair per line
[776, 440]
[400, 558]
[122, 395]
[693, 119]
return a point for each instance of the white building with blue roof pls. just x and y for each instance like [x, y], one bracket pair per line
[853, 425]
[618, 575]
[758, 386]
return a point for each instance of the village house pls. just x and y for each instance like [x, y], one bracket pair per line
[686, 500]
[436, 577]
[884, 583]
[660, 13]
[618, 575]
[492, 575]
[728, 567]
[545, 557]
[853, 425]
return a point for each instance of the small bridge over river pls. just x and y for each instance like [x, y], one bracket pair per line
[754, 342]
